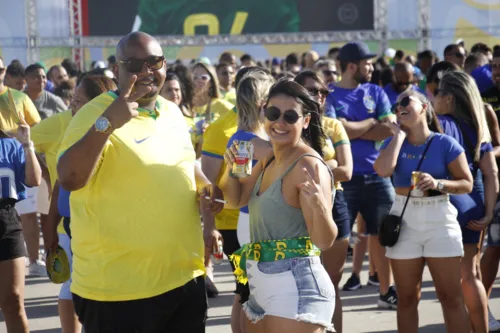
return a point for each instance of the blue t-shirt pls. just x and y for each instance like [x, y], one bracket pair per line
[469, 206]
[442, 151]
[12, 169]
[393, 94]
[366, 101]
[63, 202]
[241, 135]
[483, 77]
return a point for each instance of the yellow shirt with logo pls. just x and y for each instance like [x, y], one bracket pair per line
[23, 104]
[229, 95]
[136, 224]
[218, 108]
[336, 136]
[214, 145]
[47, 137]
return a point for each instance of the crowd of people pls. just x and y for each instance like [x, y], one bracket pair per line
[130, 168]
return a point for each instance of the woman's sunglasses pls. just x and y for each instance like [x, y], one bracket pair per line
[136, 65]
[204, 77]
[272, 113]
[316, 92]
[404, 102]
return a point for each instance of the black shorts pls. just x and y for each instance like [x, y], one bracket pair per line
[340, 214]
[11, 232]
[183, 309]
[231, 244]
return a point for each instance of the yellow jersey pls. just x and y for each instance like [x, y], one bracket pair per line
[336, 136]
[47, 137]
[136, 224]
[229, 95]
[214, 145]
[8, 117]
[218, 108]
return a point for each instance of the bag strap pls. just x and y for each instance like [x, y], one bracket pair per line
[470, 147]
[418, 168]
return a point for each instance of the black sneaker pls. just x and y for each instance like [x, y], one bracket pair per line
[352, 284]
[389, 300]
[349, 251]
[373, 280]
[212, 291]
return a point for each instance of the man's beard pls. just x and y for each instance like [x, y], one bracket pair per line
[360, 78]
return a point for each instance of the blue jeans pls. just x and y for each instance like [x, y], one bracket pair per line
[370, 195]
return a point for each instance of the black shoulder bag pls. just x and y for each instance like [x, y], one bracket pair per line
[388, 233]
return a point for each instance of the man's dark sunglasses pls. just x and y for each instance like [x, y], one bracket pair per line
[2, 69]
[272, 113]
[315, 92]
[459, 55]
[136, 65]
[403, 83]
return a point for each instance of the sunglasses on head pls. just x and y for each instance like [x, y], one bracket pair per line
[204, 77]
[136, 65]
[315, 92]
[272, 113]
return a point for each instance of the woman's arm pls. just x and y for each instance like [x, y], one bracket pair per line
[315, 197]
[492, 120]
[343, 171]
[386, 162]
[32, 170]
[49, 225]
[462, 178]
[489, 169]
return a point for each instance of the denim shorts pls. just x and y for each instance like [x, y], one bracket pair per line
[296, 288]
[341, 216]
[370, 195]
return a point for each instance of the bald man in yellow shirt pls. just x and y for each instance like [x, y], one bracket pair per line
[128, 161]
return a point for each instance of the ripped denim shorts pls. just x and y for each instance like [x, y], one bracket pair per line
[296, 288]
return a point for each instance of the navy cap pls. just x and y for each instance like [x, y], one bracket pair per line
[355, 51]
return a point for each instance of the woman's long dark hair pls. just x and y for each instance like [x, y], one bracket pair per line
[187, 85]
[314, 135]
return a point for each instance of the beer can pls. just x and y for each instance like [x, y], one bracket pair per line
[415, 192]
[218, 254]
[242, 166]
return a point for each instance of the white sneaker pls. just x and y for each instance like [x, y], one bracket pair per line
[38, 269]
[493, 324]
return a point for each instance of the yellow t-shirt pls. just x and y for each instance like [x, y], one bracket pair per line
[47, 137]
[336, 136]
[136, 224]
[214, 145]
[229, 96]
[218, 108]
[8, 116]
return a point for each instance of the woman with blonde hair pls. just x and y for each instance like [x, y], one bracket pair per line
[459, 103]
[251, 96]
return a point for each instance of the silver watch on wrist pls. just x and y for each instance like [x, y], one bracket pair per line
[102, 125]
[29, 146]
[440, 186]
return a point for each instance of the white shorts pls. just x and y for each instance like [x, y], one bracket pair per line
[65, 243]
[243, 229]
[429, 230]
[43, 201]
[28, 205]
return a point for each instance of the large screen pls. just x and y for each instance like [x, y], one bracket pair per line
[234, 17]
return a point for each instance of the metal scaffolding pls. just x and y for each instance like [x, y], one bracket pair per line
[78, 42]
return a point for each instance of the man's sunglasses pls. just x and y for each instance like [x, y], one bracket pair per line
[272, 113]
[315, 92]
[403, 83]
[136, 65]
[459, 55]
[2, 69]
